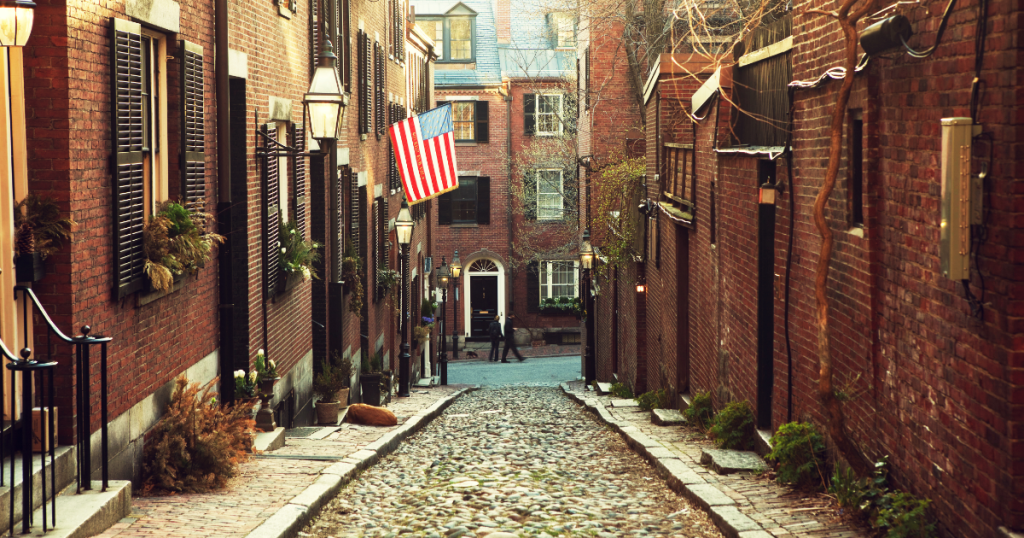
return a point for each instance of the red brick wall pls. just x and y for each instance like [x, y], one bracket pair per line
[67, 75]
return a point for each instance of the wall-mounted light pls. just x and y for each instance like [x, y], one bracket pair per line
[767, 194]
[16, 18]
[641, 287]
[885, 34]
[586, 251]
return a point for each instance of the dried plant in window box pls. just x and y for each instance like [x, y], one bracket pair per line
[177, 241]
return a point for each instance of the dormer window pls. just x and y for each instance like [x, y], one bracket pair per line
[563, 28]
[454, 34]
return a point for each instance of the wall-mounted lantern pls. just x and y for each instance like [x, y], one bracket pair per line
[16, 18]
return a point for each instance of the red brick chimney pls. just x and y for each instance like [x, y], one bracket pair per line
[503, 20]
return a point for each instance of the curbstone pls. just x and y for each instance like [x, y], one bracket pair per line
[756, 534]
[285, 522]
[341, 469]
[731, 521]
[365, 458]
[660, 452]
[707, 495]
[313, 497]
[678, 474]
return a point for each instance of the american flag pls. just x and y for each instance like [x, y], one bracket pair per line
[424, 148]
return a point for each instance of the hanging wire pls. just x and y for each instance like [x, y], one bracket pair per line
[938, 35]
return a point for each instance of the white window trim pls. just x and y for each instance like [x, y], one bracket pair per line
[284, 173]
[557, 114]
[561, 194]
[549, 272]
[558, 18]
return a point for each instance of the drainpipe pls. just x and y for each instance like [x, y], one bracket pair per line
[510, 275]
[227, 335]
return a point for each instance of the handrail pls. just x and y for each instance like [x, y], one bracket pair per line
[84, 339]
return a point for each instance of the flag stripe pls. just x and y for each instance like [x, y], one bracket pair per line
[410, 159]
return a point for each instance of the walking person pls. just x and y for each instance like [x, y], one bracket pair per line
[510, 340]
[494, 330]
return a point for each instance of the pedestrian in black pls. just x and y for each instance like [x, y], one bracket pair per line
[494, 330]
[510, 340]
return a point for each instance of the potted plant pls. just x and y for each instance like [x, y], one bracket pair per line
[387, 280]
[326, 386]
[427, 308]
[562, 306]
[297, 257]
[422, 332]
[370, 379]
[344, 367]
[266, 377]
[246, 388]
[40, 231]
[351, 275]
[176, 242]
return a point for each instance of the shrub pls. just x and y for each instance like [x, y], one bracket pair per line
[655, 399]
[621, 391]
[799, 451]
[699, 411]
[197, 446]
[905, 516]
[733, 427]
[847, 488]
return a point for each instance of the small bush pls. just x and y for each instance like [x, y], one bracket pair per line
[905, 516]
[799, 451]
[700, 411]
[197, 446]
[847, 488]
[655, 399]
[621, 391]
[733, 426]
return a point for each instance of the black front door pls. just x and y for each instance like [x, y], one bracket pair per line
[483, 304]
[765, 300]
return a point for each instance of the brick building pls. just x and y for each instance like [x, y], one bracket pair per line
[123, 109]
[931, 363]
[507, 85]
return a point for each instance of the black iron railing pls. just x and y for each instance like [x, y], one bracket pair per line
[30, 363]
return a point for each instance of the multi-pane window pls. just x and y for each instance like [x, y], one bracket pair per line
[549, 110]
[549, 195]
[435, 29]
[460, 42]
[564, 27]
[463, 120]
[558, 279]
[677, 174]
[464, 201]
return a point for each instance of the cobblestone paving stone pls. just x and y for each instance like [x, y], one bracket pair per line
[521, 460]
[780, 510]
[263, 485]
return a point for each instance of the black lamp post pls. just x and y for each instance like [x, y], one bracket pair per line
[442, 279]
[586, 262]
[403, 229]
[456, 269]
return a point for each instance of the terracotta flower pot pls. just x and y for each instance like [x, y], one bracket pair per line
[343, 397]
[327, 412]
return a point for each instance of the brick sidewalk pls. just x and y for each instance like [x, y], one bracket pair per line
[779, 510]
[263, 485]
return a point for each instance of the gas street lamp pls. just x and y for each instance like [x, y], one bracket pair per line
[456, 269]
[325, 102]
[16, 18]
[403, 228]
[587, 262]
[442, 279]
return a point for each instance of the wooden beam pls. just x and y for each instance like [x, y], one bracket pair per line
[767, 52]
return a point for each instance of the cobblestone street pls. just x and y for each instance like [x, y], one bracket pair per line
[522, 460]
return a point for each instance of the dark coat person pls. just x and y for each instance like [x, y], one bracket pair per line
[510, 339]
[494, 331]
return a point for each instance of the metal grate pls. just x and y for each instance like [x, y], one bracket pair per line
[305, 431]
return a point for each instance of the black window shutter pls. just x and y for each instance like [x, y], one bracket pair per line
[361, 80]
[344, 182]
[530, 194]
[381, 102]
[444, 208]
[586, 76]
[193, 129]
[529, 114]
[533, 288]
[376, 249]
[483, 200]
[344, 46]
[299, 176]
[129, 179]
[271, 215]
[569, 107]
[482, 116]
[315, 23]
[385, 246]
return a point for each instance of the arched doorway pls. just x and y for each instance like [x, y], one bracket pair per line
[485, 294]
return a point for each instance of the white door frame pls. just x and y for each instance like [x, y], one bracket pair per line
[466, 311]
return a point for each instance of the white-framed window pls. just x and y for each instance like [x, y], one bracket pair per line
[464, 120]
[550, 197]
[549, 114]
[283, 174]
[559, 279]
[154, 118]
[564, 26]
